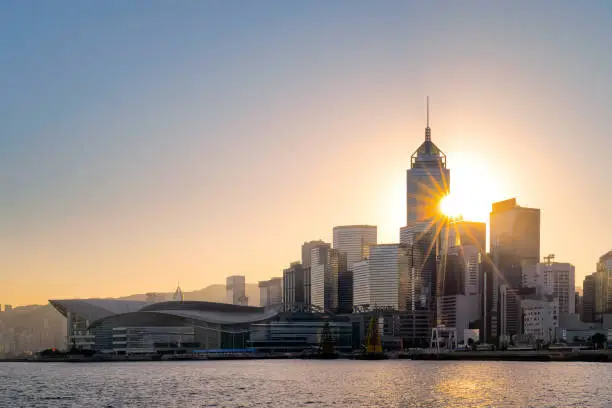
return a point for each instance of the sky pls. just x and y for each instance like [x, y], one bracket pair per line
[148, 142]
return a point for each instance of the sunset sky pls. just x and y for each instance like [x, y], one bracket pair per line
[143, 143]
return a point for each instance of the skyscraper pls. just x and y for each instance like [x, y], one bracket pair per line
[326, 266]
[307, 250]
[295, 286]
[355, 241]
[422, 247]
[463, 233]
[467, 240]
[382, 280]
[515, 239]
[604, 269]
[588, 299]
[427, 181]
[514, 243]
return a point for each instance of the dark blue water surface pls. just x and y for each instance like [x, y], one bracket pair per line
[297, 383]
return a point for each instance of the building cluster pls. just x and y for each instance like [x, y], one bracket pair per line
[439, 276]
[27, 331]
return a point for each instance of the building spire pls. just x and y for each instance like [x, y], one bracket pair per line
[428, 129]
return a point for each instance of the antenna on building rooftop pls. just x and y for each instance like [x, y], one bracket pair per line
[428, 129]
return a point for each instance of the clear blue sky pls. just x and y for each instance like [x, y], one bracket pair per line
[145, 142]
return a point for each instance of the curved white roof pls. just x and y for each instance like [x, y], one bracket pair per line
[220, 317]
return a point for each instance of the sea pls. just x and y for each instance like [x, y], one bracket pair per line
[306, 383]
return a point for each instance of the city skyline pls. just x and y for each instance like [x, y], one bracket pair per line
[112, 189]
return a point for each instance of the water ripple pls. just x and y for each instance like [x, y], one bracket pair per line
[296, 383]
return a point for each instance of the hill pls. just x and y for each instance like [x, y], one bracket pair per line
[212, 293]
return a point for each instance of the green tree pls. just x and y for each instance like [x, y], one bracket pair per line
[599, 339]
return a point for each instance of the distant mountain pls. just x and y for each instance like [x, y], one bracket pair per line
[212, 293]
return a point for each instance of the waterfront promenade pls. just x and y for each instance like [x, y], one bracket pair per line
[541, 355]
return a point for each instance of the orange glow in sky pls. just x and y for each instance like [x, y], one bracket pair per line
[198, 142]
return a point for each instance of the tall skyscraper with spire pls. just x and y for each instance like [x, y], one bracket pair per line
[427, 181]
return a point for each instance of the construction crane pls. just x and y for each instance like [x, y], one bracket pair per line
[549, 259]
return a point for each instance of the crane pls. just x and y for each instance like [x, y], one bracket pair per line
[549, 259]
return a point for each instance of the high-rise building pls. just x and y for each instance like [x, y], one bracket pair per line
[604, 269]
[296, 284]
[235, 290]
[510, 313]
[515, 239]
[578, 302]
[588, 299]
[514, 243]
[382, 280]
[467, 233]
[467, 240]
[355, 241]
[423, 246]
[459, 300]
[271, 292]
[307, 250]
[553, 278]
[326, 266]
[427, 181]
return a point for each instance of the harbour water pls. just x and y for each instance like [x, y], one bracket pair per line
[300, 383]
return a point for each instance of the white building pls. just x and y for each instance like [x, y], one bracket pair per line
[540, 318]
[271, 292]
[235, 290]
[326, 266]
[383, 279]
[355, 241]
[556, 279]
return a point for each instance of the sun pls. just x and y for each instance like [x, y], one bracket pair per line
[450, 206]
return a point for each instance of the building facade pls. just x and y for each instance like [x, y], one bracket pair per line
[271, 292]
[540, 318]
[295, 332]
[514, 243]
[604, 268]
[427, 182]
[459, 311]
[383, 279]
[235, 290]
[295, 286]
[355, 241]
[307, 248]
[588, 299]
[553, 278]
[422, 245]
[327, 265]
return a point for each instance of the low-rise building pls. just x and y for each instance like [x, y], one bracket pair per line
[540, 318]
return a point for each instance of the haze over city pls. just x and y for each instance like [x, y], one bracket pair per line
[148, 143]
